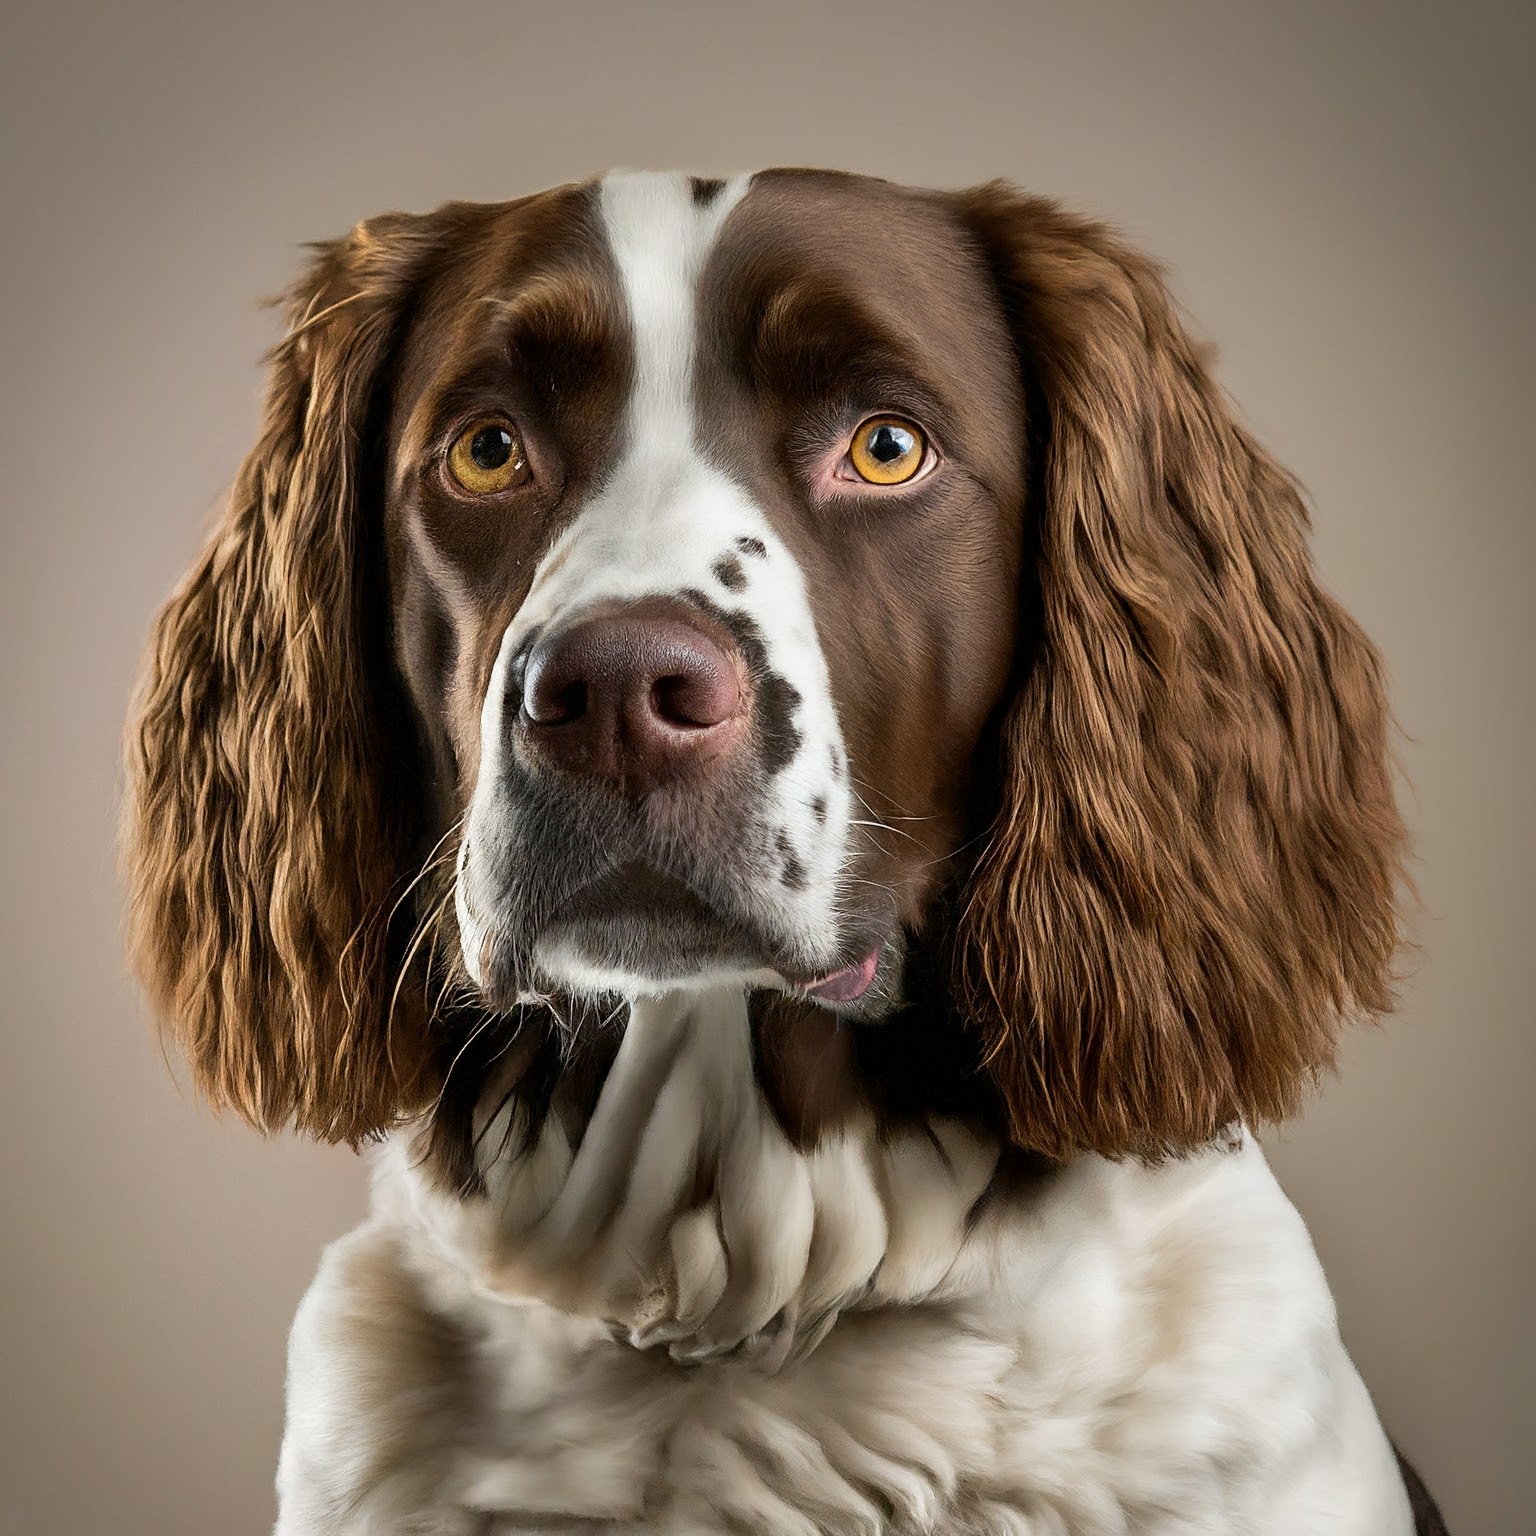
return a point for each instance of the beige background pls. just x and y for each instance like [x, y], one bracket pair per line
[1344, 196]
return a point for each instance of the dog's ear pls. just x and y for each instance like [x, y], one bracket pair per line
[263, 849]
[1193, 871]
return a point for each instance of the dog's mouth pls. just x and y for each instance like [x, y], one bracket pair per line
[638, 920]
[594, 895]
[846, 984]
[637, 926]
[641, 921]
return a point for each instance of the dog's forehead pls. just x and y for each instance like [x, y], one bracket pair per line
[789, 224]
[737, 273]
[734, 243]
[899, 251]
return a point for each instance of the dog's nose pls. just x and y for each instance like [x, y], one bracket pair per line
[635, 698]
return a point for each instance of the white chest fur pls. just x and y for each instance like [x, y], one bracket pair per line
[1112, 1349]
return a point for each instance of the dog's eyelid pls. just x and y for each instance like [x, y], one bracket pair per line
[456, 422]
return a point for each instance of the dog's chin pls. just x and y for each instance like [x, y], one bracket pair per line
[637, 931]
[643, 931]
[632, 930]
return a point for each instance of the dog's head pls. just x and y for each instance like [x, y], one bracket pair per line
[854, 592]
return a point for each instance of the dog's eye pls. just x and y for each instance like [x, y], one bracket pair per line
[887, 450]
[487, 457]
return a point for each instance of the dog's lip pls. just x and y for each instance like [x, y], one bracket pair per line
[846, 984]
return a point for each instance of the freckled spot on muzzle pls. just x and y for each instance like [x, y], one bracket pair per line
[730, 573]
[792, 872]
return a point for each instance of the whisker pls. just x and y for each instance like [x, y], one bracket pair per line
[425, 927]
[856, 784]
[880, 826]
[437, 857]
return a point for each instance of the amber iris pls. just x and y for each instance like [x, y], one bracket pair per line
[487, 457]
[887, 450]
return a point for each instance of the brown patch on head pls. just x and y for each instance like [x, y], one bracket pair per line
[1105, 660]
[531, 326]
[791, 870]
[829, 299]
[278, 804]
[730, 573]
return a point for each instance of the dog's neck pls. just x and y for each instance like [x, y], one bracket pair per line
[666, 1195]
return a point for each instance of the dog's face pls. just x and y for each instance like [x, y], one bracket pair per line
[781, 581]
[704, 506]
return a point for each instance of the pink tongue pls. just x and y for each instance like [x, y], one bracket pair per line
[847, 984]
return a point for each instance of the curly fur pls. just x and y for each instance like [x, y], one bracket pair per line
[1194, 868]
[263, 845]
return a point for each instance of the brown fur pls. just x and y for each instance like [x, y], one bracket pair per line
[263, 849]
[1193, 870]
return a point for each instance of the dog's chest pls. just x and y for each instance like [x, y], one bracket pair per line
[1135, 1351]
[879, 1430]
[1084, 1397]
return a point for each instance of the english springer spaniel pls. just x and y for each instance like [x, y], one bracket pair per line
[774, 746]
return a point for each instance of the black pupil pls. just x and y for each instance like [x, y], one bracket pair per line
[491, 447]
[888, 443]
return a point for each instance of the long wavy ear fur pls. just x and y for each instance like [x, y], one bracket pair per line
[1193, 870]
[263, 852]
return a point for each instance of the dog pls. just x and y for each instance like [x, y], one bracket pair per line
[773, 747]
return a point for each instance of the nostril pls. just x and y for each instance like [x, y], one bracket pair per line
[552, 696]
[690, 700]
[556, 706]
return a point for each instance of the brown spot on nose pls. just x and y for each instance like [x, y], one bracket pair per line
[635, 697]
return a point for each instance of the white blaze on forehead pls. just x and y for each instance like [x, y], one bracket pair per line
[662, 522]
[659, 236]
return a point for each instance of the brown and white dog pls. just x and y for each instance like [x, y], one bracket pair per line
[775, 743]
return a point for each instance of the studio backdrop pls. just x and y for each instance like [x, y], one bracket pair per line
[1342, 197]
